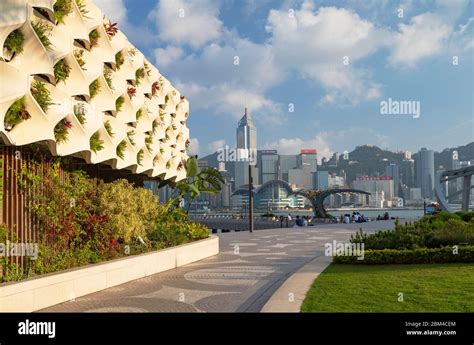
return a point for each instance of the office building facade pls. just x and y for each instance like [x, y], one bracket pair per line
[246, 143]
[425, 172]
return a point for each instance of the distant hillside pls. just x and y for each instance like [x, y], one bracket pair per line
[366, 160]
[443, 158]
[370, 160]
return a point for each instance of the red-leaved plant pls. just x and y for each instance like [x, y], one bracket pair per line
[111, 29]
[155, 88]
[132, 92]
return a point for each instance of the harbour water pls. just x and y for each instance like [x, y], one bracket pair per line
[368, 213]
[374, 213]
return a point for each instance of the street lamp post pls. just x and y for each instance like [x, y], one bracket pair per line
[250, 199]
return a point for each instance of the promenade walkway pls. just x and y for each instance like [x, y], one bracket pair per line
[249, 269]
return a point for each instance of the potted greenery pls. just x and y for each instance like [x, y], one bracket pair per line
[149, 142]
[140, 155]
[139, 75]
[94, 36]
[94, 88]
[41, 94]
[119, 103]
[132, 52]
[147, 69]
[80, 112]
[16, 114]
[61, 131]
[108, 77]
[61, 71]
[79, 55]
[121, 149]
[61, 9]
[13, 44]
[139, 114]
[108, 128]
[119, 60]
[82, 8]
[43, 31]
[130, 137]
[96, 143]
[154, 126]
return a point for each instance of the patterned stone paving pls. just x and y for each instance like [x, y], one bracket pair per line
[242, 277]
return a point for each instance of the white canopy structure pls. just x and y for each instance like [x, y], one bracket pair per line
[136, 120]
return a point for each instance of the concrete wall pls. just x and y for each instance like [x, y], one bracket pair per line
[41, 292]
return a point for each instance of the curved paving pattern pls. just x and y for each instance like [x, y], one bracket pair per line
[248, 270]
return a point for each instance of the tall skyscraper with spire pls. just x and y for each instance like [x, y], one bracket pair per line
[246, 142]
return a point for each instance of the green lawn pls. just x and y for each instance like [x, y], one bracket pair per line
[361, 288]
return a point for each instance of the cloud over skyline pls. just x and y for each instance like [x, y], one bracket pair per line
[333, 63]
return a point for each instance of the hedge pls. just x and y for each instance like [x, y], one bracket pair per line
[410, 256]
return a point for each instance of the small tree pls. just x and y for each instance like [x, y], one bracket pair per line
[205, 181]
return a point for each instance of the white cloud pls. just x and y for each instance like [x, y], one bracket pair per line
[424, 36]
[315, 44]
[216, 145]
[194, 148]
[462, 40]
[165, 56]
[216, 64]
[230, 100]
[193, 23]
[115, 10]
[294, 145]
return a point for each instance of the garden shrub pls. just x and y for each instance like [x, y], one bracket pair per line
[133, 210]
[411, 256]
[84, 221]
[430, 231]
[9, 271]
[173, 227]
[466, 216]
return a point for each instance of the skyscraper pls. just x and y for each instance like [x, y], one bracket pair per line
[407, 172]
[268, 165]
[246, 143]
[322, 180]
[425, 172]
[393, 171]
[308, 158]
[287, 162]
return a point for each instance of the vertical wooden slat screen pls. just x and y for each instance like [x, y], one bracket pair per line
[16, 202]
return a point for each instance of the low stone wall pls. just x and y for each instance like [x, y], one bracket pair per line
[44, 291]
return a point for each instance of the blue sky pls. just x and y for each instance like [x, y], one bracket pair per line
[291, 53]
